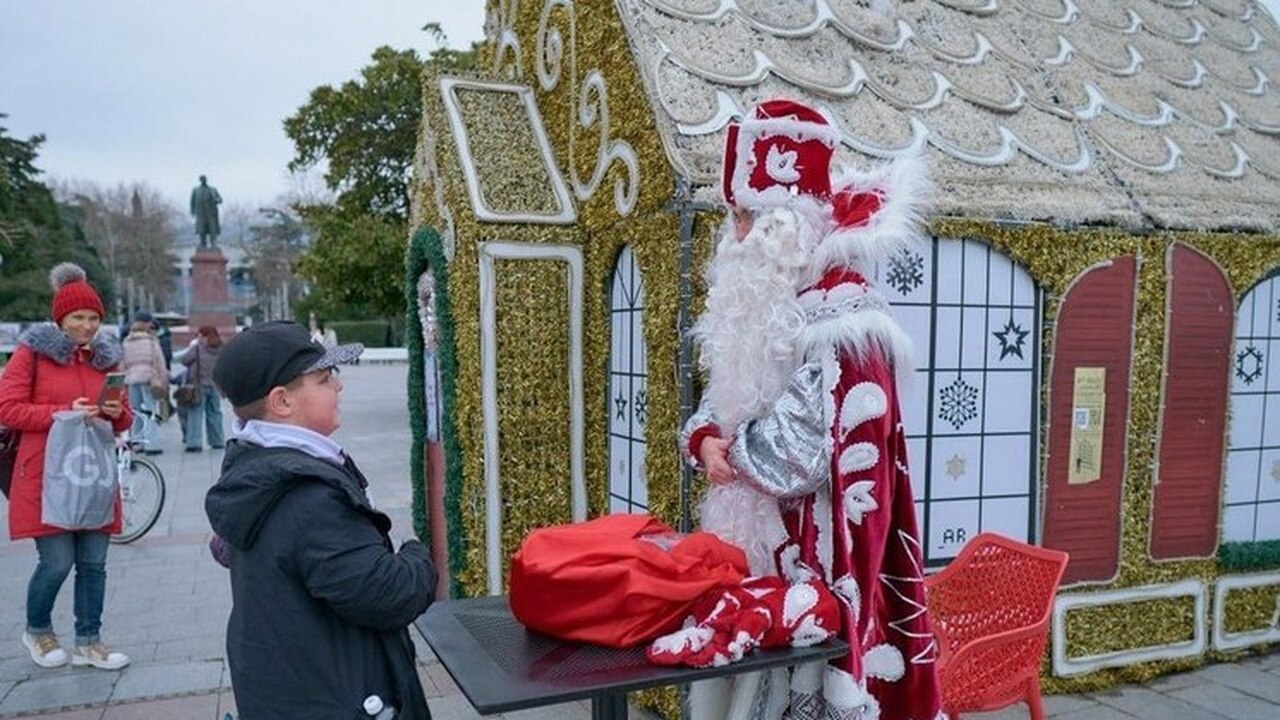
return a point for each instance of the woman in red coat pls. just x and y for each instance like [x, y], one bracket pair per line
[61, 366]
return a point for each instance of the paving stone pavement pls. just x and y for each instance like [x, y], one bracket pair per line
[168, 601]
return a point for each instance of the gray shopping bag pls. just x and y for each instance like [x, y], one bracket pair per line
[80, 488]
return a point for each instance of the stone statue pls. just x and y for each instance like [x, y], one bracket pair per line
[204, 206]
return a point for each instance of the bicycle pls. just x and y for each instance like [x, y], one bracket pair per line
[142, 489]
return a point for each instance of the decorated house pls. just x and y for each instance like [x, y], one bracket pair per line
[1094, 314]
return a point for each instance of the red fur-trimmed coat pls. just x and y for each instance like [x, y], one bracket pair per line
[833, 452]
[45, 375]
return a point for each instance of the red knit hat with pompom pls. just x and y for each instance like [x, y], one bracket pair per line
[71, 292]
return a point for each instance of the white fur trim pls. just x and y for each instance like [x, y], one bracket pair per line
[864, 401]
[884, 661]
[863, 334]
[799, 600]
[906, 190]
[858, 457]
[858, 501]
[849, 696]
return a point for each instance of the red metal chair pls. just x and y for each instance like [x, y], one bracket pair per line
[991, 608]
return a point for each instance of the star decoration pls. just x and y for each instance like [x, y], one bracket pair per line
[1017, 334]
[640, 406]
[858, 501]
[1249, 364]
[621, 403]
[955, 466]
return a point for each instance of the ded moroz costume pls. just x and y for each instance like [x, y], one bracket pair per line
[803, 359]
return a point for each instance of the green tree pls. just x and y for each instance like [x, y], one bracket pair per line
[36, 233]
[365, 132]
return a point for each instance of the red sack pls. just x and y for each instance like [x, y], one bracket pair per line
[619, 580]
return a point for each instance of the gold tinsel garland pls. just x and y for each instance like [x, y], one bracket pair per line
[1249, 609]
[1054, 257]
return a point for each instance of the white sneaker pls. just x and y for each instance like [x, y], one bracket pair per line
[99, 656]
[45, 650]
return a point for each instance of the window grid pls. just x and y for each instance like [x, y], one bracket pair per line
[1243, 519]
[948, 377]
[628, 382]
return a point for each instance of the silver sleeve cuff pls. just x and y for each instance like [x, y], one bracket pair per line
[702, 418]
[787, 452]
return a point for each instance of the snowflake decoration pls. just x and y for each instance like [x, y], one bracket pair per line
[621, 403]
[959, 403]
[955, 466]
[640, 406]
[906, 272]
[1249, 364]
[1018, 335]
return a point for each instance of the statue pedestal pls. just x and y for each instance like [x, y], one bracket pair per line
[210, 293]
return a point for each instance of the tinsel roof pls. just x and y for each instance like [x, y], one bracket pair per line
[1139, 113]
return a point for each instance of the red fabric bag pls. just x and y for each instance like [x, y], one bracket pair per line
[619, 580]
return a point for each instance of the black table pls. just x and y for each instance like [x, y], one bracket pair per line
[501, 666]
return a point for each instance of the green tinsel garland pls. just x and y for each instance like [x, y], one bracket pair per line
[426, 253]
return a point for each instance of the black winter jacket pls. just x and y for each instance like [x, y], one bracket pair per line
[321, 599]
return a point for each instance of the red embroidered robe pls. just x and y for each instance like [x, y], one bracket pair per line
[833, 452]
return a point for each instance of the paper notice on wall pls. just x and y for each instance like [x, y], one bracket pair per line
[1088, 404]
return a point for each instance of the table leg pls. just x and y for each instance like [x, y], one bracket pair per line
[609, 706]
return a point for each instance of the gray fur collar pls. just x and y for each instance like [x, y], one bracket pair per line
[50, 341]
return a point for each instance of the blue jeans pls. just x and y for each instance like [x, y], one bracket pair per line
[87, 550]
[209, 409]
[144, 432]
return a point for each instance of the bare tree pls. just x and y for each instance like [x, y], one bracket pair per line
[133, 228]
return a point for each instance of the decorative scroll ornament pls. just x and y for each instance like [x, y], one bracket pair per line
[592, 110]
[500, 31]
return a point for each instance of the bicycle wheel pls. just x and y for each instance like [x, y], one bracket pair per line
[142, 497]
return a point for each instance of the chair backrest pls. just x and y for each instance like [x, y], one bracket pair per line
[995, 584]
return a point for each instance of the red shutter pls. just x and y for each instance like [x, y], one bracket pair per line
[1184, 522]
[1095, 329]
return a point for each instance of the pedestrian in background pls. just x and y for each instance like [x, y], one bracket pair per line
[200, 361]
[145, 376]
[61, 366]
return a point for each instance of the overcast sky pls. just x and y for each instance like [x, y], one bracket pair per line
[161, 91]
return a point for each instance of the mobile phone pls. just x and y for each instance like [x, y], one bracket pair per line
[112, 388]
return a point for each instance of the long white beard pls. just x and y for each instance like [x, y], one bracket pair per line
[749, 333]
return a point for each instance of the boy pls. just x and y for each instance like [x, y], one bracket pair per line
[321, 599]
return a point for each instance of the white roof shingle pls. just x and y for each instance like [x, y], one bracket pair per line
[1157, 113]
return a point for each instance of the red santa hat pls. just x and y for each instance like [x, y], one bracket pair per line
[781, 156]
[783, 149]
